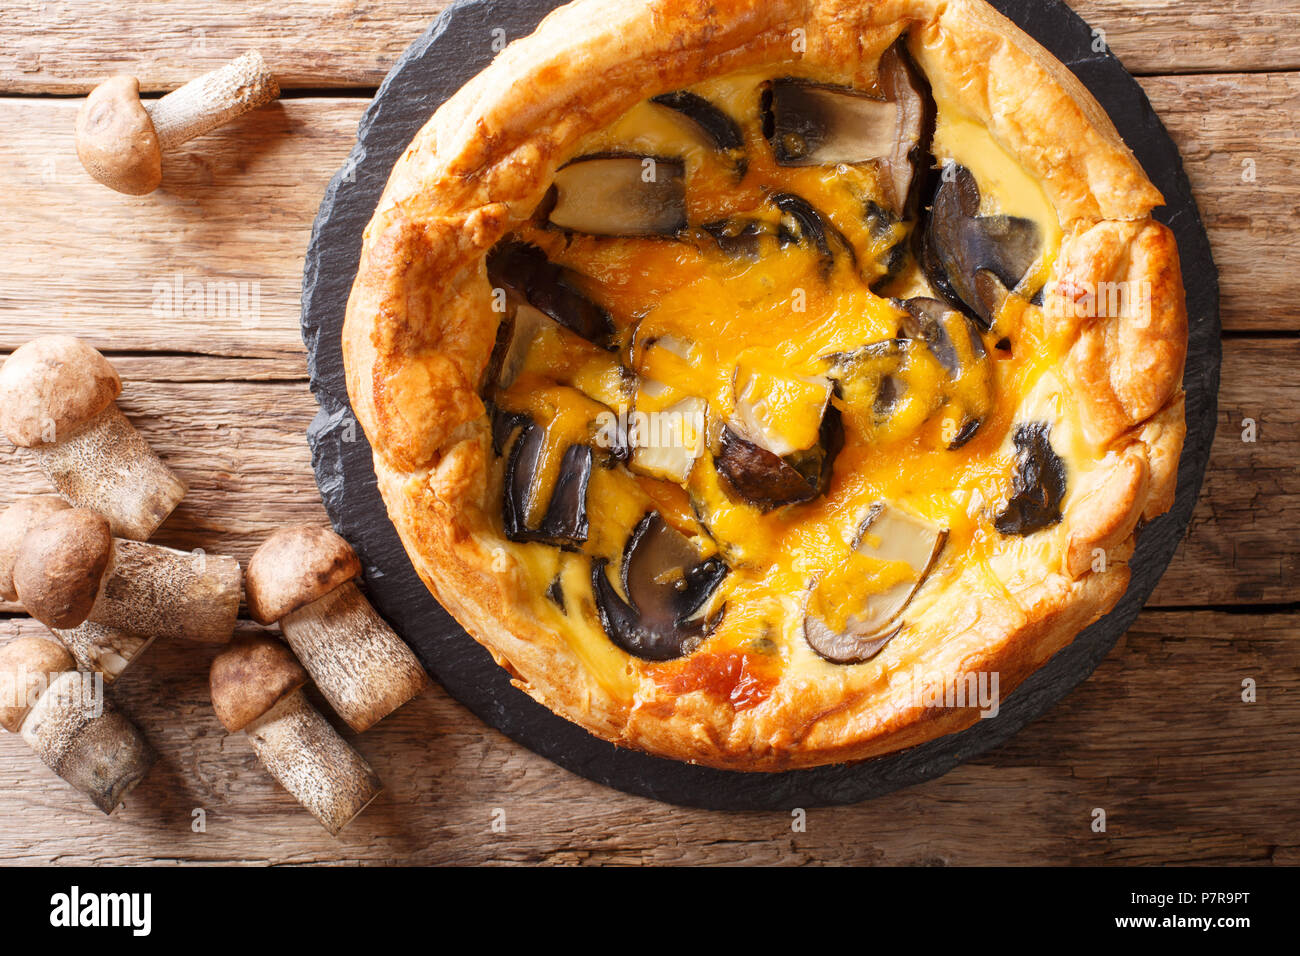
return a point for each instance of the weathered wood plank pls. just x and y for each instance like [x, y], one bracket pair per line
[231, 221]
[1158, 737]
[1241, 547]
[235, 430]
[80, 254]
[65, 46]
[1240, 140]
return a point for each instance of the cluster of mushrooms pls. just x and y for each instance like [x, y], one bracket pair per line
[970, 262]
[79, 562]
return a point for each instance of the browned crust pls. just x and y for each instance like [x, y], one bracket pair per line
[415, 346]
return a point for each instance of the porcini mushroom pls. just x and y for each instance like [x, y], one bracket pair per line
[64, 716]
[121, 140]
[57, 400]
[70, 569]
[256, 686]
[667, 584]
[303, 577]
[108, 650]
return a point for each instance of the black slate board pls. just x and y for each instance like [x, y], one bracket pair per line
[457, 46]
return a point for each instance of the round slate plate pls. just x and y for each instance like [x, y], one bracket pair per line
[460, 43]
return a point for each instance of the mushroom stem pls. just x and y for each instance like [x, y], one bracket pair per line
[212, 100]
[154, 590]
[308, 757]
[102, 649]
[83, 738]
[107, 466]
[364, 670]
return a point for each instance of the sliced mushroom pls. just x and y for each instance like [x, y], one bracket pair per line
[888, 534]
[620, 196]
[721, 129]
[976, 259]
[525, 270]
[903, 84]
[769, 480]
[565, 524]
[505, 425]
[666, 427]
[955, 343]
[740, 237]
[780, 413]
[666, 585]
[811, 125]
[1038, 485]
[666, 443]
[515, 337]
[873, 376]
[803, 225]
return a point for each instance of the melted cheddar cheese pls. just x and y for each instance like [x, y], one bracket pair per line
[694, 324]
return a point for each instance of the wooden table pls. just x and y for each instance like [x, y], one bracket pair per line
[1159, 737]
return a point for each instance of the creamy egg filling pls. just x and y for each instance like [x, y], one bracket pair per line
[767, 345]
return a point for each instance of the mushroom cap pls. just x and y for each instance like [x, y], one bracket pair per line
[294, 567]
[250, 677]
[16, 520]
[53, 380]
[25, 664]
[116, 139]
[60, 565]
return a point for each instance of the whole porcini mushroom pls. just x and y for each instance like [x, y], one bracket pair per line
[303, 577]
[70, 569]
[96, 647]
[57, 399]
[65, 717]
[256, 686]
[121, 139]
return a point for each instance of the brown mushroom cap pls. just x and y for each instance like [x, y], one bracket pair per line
[25, 664]
[54, 379]
[294, 567]
[250, 677]
[60, 564]
[116, 139]
[16, 520]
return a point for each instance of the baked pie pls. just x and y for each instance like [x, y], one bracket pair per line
[753, 378]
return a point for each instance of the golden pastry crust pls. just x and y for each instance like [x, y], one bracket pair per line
[417, 340]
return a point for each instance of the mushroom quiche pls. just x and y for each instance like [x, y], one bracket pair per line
[745, 376]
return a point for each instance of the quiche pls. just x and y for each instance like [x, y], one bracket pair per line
[753, 379]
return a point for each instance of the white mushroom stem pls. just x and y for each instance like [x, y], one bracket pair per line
[306, 754]
[212, 100]
[107, 466]
[101, 649]
[364, 670]
[83, 738]
[149, 589]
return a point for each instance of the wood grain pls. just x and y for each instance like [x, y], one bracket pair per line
[1158, 737]
[66, 46]
[235, 430]
[237, 207]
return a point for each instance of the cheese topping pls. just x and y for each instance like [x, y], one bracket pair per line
[785, 334]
